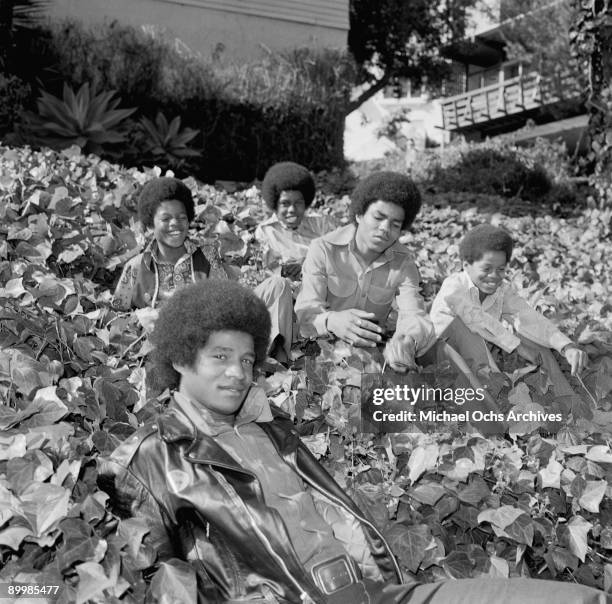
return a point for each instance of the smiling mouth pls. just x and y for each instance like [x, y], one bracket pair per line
[232, 389]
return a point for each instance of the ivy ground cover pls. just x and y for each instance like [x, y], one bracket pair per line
[451, 504]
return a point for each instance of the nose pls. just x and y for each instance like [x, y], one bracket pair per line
[384, 227]
[236, 370]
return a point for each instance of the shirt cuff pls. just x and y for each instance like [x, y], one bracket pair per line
[320, 324]
[559, 341]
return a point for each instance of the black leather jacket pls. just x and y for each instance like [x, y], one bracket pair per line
[203, 507]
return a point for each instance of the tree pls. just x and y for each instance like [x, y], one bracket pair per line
[591, 41]
[403, 38]
[538, 35]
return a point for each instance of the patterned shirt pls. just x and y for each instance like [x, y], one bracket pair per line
[333, 279]
[283, 245]
[169, 276]
[496, 317]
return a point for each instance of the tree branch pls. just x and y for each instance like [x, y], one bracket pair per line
[368, 94]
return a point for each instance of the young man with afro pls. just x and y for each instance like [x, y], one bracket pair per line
[476, 307]
[288, 190]
[352, 276]
[171, 259]
[234, 501]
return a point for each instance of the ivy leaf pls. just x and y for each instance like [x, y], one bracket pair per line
[458, 565]
[33, 466]
[550, 476]
[43, 506]
[592, 495]
[174, 577]
[421, 459]
[577, 531]
[599, 453]
[409, 543]
[92, 581]
[78, 544]
[475, 492]
[14, 535]
[428, 493]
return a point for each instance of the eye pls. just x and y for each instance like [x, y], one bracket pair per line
[248, 362]
[221, 356]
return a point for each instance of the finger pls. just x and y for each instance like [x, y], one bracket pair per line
[366, 334]
[364, 342]
[362, 314]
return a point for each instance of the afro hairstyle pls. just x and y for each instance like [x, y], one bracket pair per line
[485, 238]
[387, 186]
[192, 314]
[159, 190]
[287, 176]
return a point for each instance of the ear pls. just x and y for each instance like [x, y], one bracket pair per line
[358, 218]
[182, 369]
[465, 264]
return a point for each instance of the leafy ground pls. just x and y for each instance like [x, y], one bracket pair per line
[453, 505]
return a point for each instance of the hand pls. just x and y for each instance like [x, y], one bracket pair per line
[577, 358]
[399, 353]
[292, 270]
[355, 327]
[147, 317]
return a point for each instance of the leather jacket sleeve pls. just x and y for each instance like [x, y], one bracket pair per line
[130, 497]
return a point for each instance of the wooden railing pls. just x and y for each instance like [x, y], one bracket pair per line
[522, 93]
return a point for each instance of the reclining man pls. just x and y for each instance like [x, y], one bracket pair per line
[236, 501]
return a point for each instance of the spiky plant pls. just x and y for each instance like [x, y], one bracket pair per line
[84, 119]
[166, 141]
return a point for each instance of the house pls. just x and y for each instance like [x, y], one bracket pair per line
[490, 93]
[234, 29]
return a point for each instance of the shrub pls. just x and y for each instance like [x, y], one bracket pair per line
[249, 116]
[14, 94]
[538, 172]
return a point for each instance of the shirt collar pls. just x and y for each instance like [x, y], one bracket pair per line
[474, 291]
[151, 250]
[346, 236]
[255, 408]
[275, 221]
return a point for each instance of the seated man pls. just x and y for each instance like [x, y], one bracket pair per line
[352, 275]
[224, 486]
[288, 190]
[471, 305]
[171, 259]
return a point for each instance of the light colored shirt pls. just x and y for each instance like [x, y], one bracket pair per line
[498, 318]
[334, 279]
[283, 245]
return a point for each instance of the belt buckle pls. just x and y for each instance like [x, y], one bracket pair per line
[334, 575]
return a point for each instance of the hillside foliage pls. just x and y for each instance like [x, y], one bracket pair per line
[452, 504]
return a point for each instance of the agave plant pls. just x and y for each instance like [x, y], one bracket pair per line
[84, 119]
[167, 141]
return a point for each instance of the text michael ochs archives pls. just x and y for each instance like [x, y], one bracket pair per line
[394, 403]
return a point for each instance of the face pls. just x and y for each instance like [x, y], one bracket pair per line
[290, 208]
[170, 224]
[487, 273]
[379, 227]
[222, 372]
